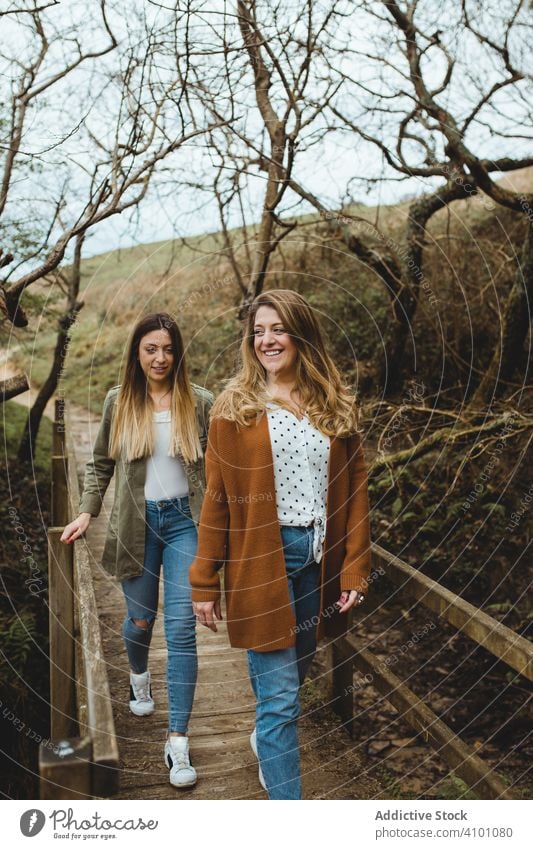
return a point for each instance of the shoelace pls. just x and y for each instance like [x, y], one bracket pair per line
[143, 693]
[180, 760]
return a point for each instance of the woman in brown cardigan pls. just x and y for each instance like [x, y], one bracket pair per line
[286, 514]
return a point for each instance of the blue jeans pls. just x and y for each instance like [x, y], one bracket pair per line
[171, 540]
[276, 675]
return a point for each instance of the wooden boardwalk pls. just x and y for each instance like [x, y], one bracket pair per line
[223, 713]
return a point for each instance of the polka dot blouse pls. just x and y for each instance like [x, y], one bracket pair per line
[300, 455]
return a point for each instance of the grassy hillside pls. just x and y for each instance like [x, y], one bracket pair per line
[463, 265]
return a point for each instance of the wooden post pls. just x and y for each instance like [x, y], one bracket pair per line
[61, 629]
[342, 679]
[59, 410]
[58, 444]
[60, 511]
[65, 769]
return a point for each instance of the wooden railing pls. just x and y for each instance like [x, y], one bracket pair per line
[349, 651]
[81, 758]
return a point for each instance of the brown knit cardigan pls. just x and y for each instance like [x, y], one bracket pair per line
[239, 530]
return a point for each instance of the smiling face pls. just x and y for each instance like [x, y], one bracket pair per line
[156, 357]
[273, 346]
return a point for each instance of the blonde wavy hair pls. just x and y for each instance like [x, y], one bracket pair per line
[132, 428]
[328, 403]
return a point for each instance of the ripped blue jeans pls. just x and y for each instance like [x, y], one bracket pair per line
[171, 540]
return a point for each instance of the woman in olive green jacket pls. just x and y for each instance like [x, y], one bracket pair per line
[152, 437]
[125, 540]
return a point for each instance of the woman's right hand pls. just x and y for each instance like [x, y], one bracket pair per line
[205, 611]
[77, 528]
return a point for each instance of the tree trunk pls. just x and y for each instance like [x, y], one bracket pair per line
[407, 296]
[26, 450]
[514, 329]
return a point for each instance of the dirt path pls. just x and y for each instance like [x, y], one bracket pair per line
[26, 399]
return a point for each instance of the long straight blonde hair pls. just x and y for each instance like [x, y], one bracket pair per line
[328, 403]
[132, 429]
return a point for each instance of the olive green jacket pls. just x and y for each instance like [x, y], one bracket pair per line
[123, 555]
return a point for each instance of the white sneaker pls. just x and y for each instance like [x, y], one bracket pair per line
[253, 744]
[177, 758]
[141, 701]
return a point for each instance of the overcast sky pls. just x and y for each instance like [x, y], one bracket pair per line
[59, 153]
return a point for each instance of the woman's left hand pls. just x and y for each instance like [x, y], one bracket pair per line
[348, 599]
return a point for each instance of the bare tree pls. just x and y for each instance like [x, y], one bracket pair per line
[269, 88]
[515, 326]
[133, 115]
[71, 282]
[125, 151]
[34, 76]
[315, 77]
[433, 102]
[19, 8]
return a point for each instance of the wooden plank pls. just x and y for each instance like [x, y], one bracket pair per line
[59, 501]
[220, 711]
[230, 785]
[331, 768]
[58, 429]
[342, 679]
[211, 723]
[99, 712]
[144, 766]
[516, 651]
[81, 700]
[59, 410]
[93, 695]
[65, 769]
[61, 633]
[73, 484]
[73, 510]
[457, 754]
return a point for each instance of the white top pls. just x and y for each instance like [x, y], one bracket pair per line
[165, 475]
[300, 455]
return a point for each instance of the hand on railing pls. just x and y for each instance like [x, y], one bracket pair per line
[77, 528]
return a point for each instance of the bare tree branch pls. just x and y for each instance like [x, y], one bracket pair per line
[13, 386]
